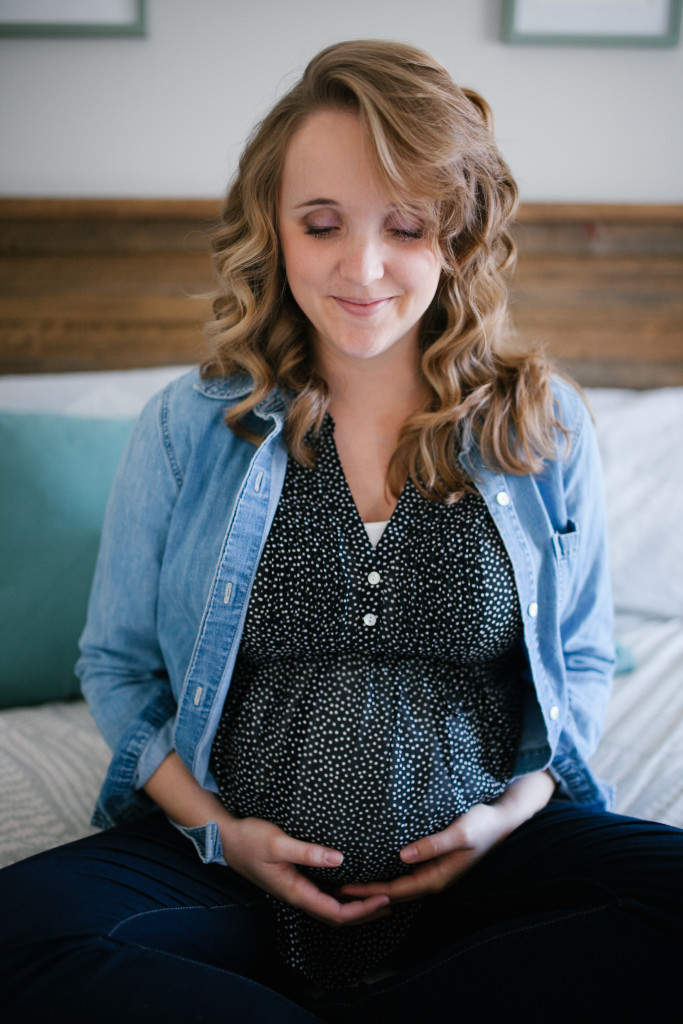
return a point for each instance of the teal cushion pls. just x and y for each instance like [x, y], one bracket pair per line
[625, 660]
[55, 475]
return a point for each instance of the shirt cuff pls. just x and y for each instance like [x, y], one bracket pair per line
[206, 840]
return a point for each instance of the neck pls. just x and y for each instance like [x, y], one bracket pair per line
[370, 400]
[383, 388]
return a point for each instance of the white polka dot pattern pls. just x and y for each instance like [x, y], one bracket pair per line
[375, 696]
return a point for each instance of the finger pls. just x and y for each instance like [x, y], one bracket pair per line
[358, 911]
[307, 897]
[465, 833]
[430, 847]
[313, 855]
[430, 878]
[384, 911]
[405, 887]
[362, 890]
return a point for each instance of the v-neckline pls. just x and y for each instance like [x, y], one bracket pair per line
[326, 435]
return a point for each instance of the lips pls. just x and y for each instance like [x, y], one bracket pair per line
[361, 307]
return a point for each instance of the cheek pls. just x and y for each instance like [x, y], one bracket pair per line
[425, 272]
[301, 266]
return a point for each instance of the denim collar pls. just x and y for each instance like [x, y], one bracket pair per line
[230, 388]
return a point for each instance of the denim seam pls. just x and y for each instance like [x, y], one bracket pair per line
[172, 910]
[165, 428]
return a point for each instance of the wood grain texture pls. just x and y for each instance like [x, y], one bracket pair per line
[104, 284]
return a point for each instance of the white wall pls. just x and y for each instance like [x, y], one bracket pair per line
[166, 115]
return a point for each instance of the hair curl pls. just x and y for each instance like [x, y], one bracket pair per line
[433, 148]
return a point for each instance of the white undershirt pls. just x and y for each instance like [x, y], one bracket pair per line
[375, 531]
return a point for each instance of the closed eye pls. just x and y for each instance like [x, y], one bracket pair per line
[404, 235]
[401, 234]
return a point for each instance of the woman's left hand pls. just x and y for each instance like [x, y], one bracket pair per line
[444, 856]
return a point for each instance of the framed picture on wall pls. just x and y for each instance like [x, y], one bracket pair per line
[592, 22]
[72, 17]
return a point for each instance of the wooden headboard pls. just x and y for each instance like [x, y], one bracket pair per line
[103, 284]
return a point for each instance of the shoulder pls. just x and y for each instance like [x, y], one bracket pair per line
[191, 402]
[571, 409]
[187, 417]
[577, 469]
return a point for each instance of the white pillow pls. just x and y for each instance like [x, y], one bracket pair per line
[640, 434]
[106, 394]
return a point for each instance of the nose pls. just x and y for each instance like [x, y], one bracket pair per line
[362, 261]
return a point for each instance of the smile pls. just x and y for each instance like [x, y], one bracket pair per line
[361, 307]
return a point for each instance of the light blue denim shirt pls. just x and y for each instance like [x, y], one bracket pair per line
[187, 519]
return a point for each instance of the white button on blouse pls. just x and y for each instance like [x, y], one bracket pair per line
[369, 619]
[374, 578]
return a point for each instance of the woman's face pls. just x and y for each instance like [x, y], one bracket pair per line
[360, 270]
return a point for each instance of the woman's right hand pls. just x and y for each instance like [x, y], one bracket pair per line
[268, 857]
[259, 850]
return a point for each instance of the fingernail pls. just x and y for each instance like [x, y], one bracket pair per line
[332, 859]
[410, 853]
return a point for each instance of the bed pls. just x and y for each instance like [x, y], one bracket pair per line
[60, 437]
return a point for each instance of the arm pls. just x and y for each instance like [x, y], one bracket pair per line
[122, 669]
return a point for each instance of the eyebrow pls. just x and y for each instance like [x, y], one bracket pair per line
[317, 202]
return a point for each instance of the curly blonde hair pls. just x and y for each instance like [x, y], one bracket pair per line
[433, 148]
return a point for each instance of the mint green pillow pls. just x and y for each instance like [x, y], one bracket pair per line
[55, 475]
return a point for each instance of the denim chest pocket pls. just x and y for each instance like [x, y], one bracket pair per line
[566, 546]
[566, 542]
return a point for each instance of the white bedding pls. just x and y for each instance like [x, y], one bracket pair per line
[641, 750]
[52, 763]
[52, 760]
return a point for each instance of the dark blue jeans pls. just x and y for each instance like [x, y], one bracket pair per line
[578, 914]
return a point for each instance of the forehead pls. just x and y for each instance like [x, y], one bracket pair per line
[329, 150]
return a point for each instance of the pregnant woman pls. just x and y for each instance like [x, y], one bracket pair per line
[350, 629]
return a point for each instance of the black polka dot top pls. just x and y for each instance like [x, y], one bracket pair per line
[376, 693]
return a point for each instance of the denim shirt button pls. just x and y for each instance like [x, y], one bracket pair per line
[503, 498]
[554, 713]
[533, 609]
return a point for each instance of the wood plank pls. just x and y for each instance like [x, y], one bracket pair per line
[35, 238]
[77, 208]
[59, 345]
[572, 212]
[41, 277]
[598, 373]
[599, 238]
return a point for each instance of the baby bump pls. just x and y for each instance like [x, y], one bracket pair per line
[364, 759]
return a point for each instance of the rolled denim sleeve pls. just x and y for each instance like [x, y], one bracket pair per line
[206, 840]
[122, 671]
